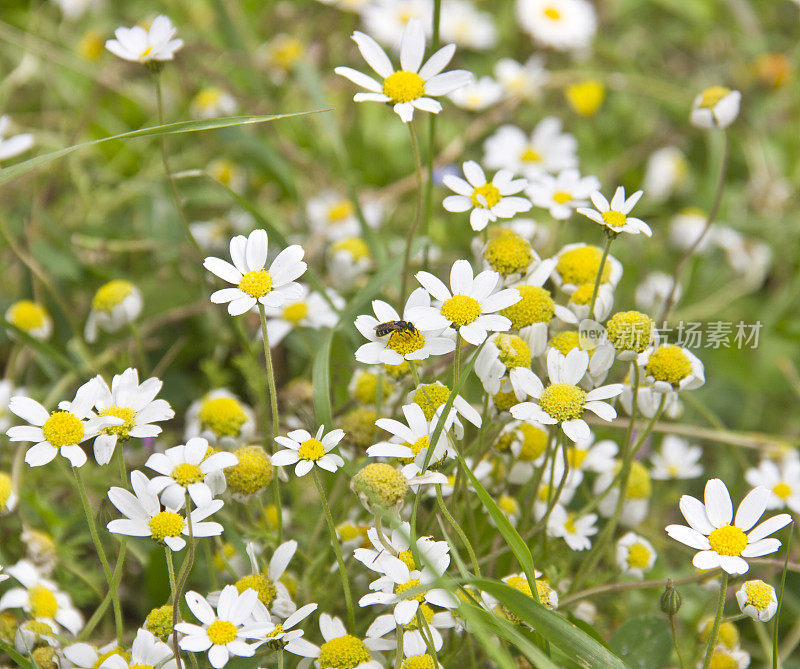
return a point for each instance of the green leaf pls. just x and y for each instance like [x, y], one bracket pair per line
[321, 381]
[643, 642]
[14, 655]
[9, 173]
[574, 642]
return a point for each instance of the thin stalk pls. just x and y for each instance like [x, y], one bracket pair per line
[180, 583]
[461, 535]
[417, 216]
[776, 620]
[337, 550]
[552, 502]
[712, 638]
[280, 658]
[457, 360]
[101, 553]
[273, 403]
[398, 658]
[609, 238]
[675, 640]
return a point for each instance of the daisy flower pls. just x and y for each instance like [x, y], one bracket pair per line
[715, 107]
[381, 487]
[334, 215]
[309, 310]
[782, 481]
[468, 28]
[141, 45]
[563, 193]
[146, 651]
[671, 368]
[720, 543]
[135, 404]
[487, 201]
[221, 632]
[573, 529]
[577, 266]
[432, 396]
[282, 636]
[40, 599]
[414, 85]
[757, 600]
[221, 417]
[144, 516]
[189, 469]
[407, 344]
[566, 25]
[305, 451]
[563, 402]
[614, 215]
[547, 150]
[504, 355]
[635, 555]
[88, 656]
[348, 260]
[638, 492]
[342, 649]
[30, 317]
[678, 460]
[254, 284]
[115, 305]
[14, 145]
[415, 650]
[397, 543]
[523, 80]
[62, 430]
[477, 95]
[471, 307]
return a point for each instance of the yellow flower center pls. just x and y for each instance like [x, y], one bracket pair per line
[536, 306]
[359, 426]
[728, 540]
[461, 310]
[485, 196]
[583, 294]
[639, 483]
[115, 651]
[185, 474]
[5, 490]
[256, 283]
[42, 602]
[344, 652]
[27, 315]
[208, 97]
[159, 621]
[630, 331]
[294, 313]
[139, 665]
[508, 253]
[355, 246]
[562, 197]
[350, 531]
[521, 583]
[427, 614]
[712, 96]
[406, 342]
[402, 588]
[512, 351]
[262, 584]
[508, 505]
[614, 219]
[579, 265]
[534, 442]
[416, 447]
[311, 449]
[366, 387]
[638, 556]
[530, 155]
[569, 523]
[145, 53]
[340, 211]
[111, 295]
[504, 401]
[221, 632]
[285, 51]
[44, 657]
[585, 97]
[126, 414]
[781, 490]
[669, 363]
[552, 13]
[224, 416]
[418, 662]
[565, 341]
[380, 485]
[759, 594]
[563, 401]
[253, 473]
[722, 659]
[166, 524]
[576, 456]
[63, 429]
[224, 170]
[430, 396]
[407, 558]
[402, 86]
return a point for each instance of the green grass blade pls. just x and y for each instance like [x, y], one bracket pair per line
[14, 655]
[180, 127]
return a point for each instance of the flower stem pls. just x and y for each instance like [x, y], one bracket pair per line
[336, 549]
[457, 360]
[173, 601]
[712, 638]
[461, 535]
[417, 216]
[609, 238]
[675, 640]
[101, 553]
[273, 403]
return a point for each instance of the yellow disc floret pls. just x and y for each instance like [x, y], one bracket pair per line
[402, 588]
[759, 594]
[536, 306]
[380, 485]
[639, 483]
[365, 387]
[294, 313]
[166, 524]
[638, 556]
[530, 155]
[6, 488]
[512, 351]
[565, 341]
[782, 490]
[262, 584]
[505, 400]
[340, 211]
[256, 283]
[669, 363]
[406, 342]
[728, 633]
[418, 662]
[159, 621]
[579, 265]
[355, 246]
[221, 632]
[311, 449]
[461, 310]
[224, 416]
[359, 426]
[63, 429]
[614, 219]
[111, 295]
[533, 442]
[486, 196]
[185, 474]
[563, 401]
[253, 472]
[630, 331]
[402, 86]
[728, 540]
[416, 448]
[126, 414]
[27, 315]
[429, 397]
[712, 96]
[344, 652]
[582, 294]
[42, 602]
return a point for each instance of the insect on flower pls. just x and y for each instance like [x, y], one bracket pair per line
[387, 328]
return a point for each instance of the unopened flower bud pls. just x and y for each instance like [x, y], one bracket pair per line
[671, 599]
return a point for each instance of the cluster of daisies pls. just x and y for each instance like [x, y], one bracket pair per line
[536, 331]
